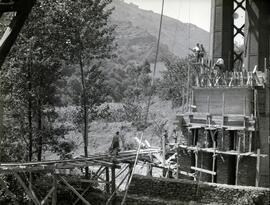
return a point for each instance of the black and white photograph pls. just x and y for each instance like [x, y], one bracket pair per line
[134, 102]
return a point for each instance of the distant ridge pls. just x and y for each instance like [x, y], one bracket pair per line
[176, 36]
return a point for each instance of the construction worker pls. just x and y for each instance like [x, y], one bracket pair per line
[196, 50]
[115, 146]
[202, 53]
[123, 139]
[219, 65]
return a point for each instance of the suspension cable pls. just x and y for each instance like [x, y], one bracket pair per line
[155, 64]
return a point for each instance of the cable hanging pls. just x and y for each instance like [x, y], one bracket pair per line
[155, 64]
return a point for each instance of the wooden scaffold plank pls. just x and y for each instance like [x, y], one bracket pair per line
[203, 170]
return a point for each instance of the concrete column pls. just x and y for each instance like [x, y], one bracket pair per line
[221, 39]
[257, 31]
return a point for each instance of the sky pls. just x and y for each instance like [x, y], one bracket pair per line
[197, 12]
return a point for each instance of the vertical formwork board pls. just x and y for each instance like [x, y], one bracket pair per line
[237, 100]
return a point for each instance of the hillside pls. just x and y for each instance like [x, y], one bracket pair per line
[176, 36]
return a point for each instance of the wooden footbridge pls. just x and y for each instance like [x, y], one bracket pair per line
[102, 166]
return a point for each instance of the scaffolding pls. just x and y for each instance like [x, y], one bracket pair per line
[221, 103]
[60, 171]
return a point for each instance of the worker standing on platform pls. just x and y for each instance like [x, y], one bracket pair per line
[115, 146]
[219, 69]
[196, 51]
[202, 54]
[219, 66]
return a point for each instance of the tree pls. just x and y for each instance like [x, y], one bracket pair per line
[174, 81]
[88, 38]
[30, 79]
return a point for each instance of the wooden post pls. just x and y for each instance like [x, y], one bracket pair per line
[163, 152]
[214, 158]
[196, 161]
[208, 104]
[250, 142]
[192, 99]
[244, 141]
[149, 167]
[54, 196]
[113, 179]
[258, 167]
[237, 162]
[188, 82]
[107, 186]
[223, 106]
[255, 103]
[222, 138]
[112, 195]
[213, 166]
[183, 99]
[245, 106]
[178, 163]
[194, 137]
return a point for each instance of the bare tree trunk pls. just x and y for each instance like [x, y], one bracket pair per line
[40, 140]
[29, 113]
[1, 123]
[85, 116]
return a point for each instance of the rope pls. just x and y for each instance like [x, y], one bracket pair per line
[155, 64]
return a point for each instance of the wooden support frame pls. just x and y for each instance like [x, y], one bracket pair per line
[29, 192]
[107, 185]
[112, 195]
[83, 193]
[74, 191]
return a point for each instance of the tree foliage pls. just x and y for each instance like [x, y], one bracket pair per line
[173, 85]
[29, 83]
